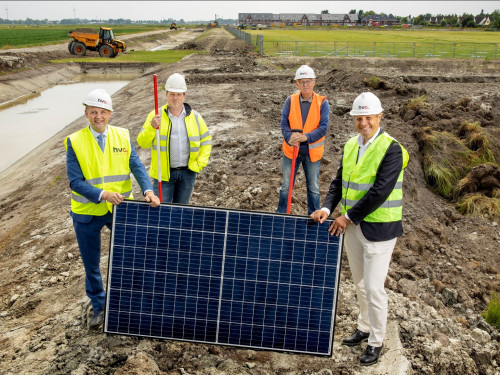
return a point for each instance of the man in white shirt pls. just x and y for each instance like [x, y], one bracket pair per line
[369, 188]
[185, 143]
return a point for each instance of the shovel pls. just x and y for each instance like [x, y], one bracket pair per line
[292, 174]
[155, 81]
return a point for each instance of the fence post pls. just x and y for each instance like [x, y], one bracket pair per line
[495, 52]
[414, 47]
[261, 44]
[374, 49]
[454, 49]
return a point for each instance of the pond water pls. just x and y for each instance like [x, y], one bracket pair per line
[25, 126]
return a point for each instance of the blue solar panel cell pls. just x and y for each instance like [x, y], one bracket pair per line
[222, 276]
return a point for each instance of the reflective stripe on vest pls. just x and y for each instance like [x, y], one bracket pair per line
[108, 170]
[317, 148]
[196, 140]
[359, 176]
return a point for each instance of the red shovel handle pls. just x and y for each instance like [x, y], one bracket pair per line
[155, 83]
[292, 174]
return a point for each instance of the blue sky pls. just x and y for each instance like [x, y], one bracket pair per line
[206, 10]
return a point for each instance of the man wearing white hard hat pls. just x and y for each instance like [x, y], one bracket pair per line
[369, 188]
[304, 123]
[99, 159]
[185, 143]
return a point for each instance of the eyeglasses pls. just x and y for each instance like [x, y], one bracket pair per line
[304, 82]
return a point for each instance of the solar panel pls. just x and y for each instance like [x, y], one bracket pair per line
[221, 276]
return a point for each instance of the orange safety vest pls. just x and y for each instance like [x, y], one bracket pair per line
[317, 148]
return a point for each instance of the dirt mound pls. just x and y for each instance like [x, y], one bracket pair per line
[85, 30]
[483, 179]
[218, 41]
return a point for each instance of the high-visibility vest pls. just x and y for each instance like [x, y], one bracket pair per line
[200, 142]
[108, 170]
[317, 148]
[359, 176]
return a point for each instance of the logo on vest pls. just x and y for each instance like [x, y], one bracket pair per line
[120, 149]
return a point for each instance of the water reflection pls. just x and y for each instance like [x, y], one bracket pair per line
[25, 126]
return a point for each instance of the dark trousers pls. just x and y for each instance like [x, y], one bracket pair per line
[88, 236]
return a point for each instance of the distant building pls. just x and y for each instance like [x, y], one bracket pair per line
[482, 21]
[305, 19]
[434, 20]
[340, 19]
[255, 18]
[379, 20]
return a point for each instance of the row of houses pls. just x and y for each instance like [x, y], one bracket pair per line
[306, 19]
[314, 19]
[479, 20]
[341, 19]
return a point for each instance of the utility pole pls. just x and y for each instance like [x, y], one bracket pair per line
[74, 13]
[7, 10]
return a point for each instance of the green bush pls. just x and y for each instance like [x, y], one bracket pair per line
[492, 315]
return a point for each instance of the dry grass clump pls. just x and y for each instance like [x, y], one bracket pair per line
[375, 82]
[476, 139]
[492, 315]
[461, 169]
[417, 102]
[445, 159]
[441, 176]
[479, 205]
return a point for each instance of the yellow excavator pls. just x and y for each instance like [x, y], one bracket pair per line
[88, 39]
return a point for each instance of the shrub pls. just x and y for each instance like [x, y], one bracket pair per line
[417, 102]
[492, 315]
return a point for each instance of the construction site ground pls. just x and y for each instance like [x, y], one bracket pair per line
[444, 267]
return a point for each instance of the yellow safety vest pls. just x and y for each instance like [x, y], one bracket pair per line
[200, 142]
[108, 170]
[358, 177]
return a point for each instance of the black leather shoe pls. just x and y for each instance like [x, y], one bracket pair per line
[97, 319]
[356, 338]
[370, 356]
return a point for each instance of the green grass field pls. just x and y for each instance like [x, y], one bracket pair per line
[381, 43]
[379, 35]
[17, 36]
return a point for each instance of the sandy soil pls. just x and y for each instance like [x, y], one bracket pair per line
[444, 267]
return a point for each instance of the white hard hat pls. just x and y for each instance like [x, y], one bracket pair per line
[176, 83]
[304, 72]
[366, 104]
[99, 98]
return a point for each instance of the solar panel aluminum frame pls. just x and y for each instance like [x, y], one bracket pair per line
[110, 325]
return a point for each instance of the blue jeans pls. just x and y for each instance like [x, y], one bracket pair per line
[311, 170]
[179, 188]
[88, 236]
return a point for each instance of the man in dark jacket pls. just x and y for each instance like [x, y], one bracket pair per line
[368, 187]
